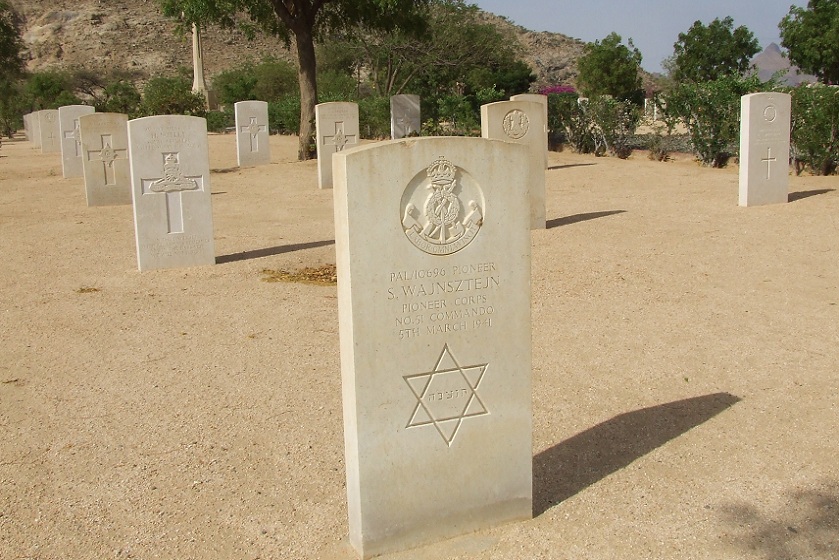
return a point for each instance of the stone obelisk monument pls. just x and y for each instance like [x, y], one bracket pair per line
[199, 85]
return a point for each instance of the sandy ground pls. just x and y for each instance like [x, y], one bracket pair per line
[686, 373]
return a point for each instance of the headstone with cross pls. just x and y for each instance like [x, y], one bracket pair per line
[48, 135]
[252, 147]
[433, 254]
[107, 177]
[764, 148]
[71, 142]
[336, 128]
[405, 116]
[521, 122]
[170, 186]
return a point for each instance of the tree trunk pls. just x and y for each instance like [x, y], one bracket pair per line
[307, 76]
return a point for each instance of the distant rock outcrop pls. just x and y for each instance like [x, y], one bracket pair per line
[772, 61]
[133, 35]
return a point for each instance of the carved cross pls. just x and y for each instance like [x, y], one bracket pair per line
[339, 140]
[74, 134]
[107, 155]
[253, 129]
[173, 183]
[768, 160]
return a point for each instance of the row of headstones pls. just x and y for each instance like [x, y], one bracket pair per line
[433, 250]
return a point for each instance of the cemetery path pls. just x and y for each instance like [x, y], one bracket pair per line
[686, 380]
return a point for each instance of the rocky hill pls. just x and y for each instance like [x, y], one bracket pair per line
[134, 35]
[772, 60]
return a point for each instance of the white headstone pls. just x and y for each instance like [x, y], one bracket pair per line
[170, 186]
[433, 256]
[405, 116]
[27, 127]
[764, 148]
[543, 100]
[252, 146]
[107, 176]
[49, 137]
[71, 141]
[521, 122]
[336, 128]
[35, 128]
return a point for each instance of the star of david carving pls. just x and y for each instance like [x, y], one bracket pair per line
[446, 395]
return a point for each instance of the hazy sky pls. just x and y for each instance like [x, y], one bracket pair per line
[653, 25]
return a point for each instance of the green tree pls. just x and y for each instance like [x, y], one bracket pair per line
[811, 36]
[611, 68]
[51, 90]
[303, 21]
[11, 45]
[171, 96]
[706, 53]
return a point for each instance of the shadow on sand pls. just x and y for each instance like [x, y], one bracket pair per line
[259, 253]
[553, 167]
[575, 464]
[575, 218]
[806, 194]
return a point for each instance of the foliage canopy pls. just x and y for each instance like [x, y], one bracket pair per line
[811, 36]
[707, 53]
[611, 68]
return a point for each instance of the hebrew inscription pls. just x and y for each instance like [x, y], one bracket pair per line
[446, 395]
[448, 218]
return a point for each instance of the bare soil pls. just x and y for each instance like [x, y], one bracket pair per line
[686, 379]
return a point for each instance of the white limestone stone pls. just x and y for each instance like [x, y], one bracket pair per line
[27, 126]
[35, 128]
[764, 148]
[405, 116]
[433, 255]
[71, 141]
[49, 136]
[336, 128]
[170, 186]
[107, 175]
[252, 147]
[521, 122]
[543, 100]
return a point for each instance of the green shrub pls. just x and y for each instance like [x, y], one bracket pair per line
[220, 121]
[815, 129]
[374, 117]
[711, 113]
[50, 90]
[284, 115]
[120, 97]
[172, 96]
[568, 123]
[614, 124]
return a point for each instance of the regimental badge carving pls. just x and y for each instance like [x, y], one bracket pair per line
[172, 180]
[439, 223]
[446, 395]
[770, 113]
[516, 124]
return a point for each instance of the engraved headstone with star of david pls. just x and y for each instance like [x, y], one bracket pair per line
[433, 257]
[170, 186]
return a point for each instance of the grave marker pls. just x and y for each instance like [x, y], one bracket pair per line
[107, 176]
[49, 137]
[764, 148]
[71, 141]
[521, 122]
[336, 128]
[170, 185]
[252, 146]
[405, 116]
[543, 100]
[433, 255]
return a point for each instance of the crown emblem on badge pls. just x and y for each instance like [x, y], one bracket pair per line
[441, 171]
